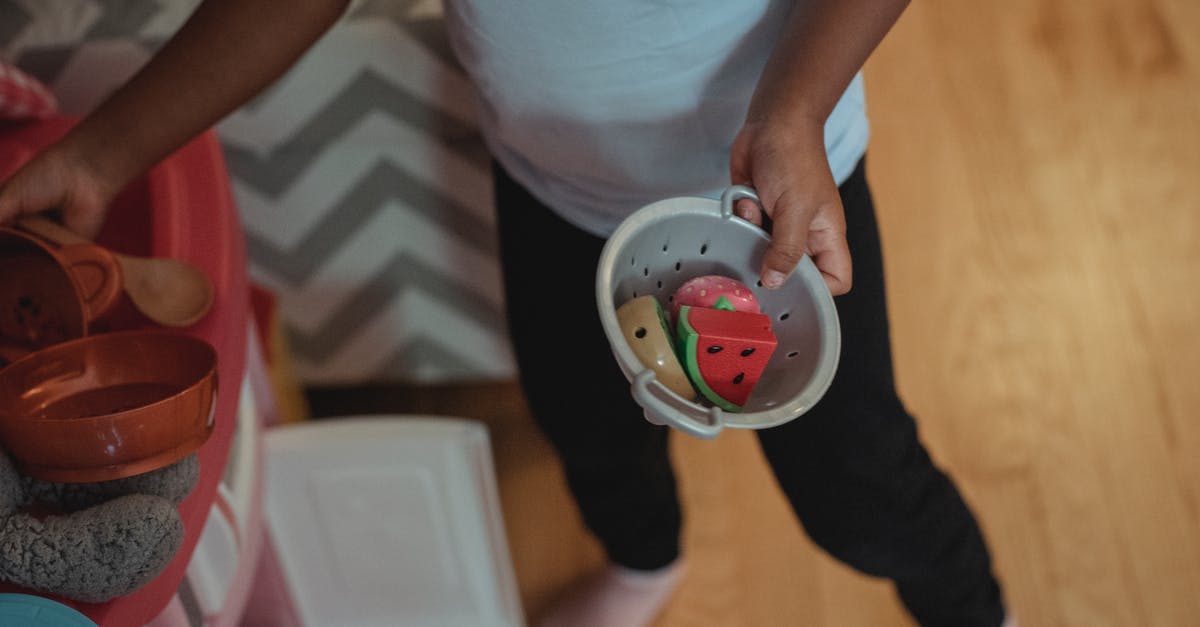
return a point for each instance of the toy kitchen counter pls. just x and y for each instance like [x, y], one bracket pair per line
[183, 209]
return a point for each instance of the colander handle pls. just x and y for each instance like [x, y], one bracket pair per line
[734, 193]
[664, 407]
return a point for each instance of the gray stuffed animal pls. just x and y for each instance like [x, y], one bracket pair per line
[112, 538]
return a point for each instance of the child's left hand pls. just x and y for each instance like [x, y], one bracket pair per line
[787, 165]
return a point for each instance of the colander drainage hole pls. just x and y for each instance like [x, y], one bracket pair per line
[793, 354]
[760, 282]
[704, 249]
[645, 271]
[660, 285]
[678, 266]
[665, 246]
[785, 316]
[633, 261]
[639, 332]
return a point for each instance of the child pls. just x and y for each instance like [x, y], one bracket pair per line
[592, 110]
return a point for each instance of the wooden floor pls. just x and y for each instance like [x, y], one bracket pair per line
[1037, 170]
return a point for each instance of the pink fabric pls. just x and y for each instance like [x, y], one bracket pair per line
[271, 603]
[173, 616]
[22, 97]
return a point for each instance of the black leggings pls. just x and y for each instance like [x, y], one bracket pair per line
[853, 467]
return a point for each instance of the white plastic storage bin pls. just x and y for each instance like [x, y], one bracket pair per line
[389, 521]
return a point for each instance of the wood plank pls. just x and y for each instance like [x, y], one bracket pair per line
[1039, 343]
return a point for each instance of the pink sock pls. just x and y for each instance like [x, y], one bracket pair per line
[616, 597]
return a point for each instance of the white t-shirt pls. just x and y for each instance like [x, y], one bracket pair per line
[601, 107]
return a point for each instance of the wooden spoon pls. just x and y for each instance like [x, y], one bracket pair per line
[170, 292]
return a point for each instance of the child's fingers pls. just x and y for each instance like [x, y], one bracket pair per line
[749, 211]
[831, 254]
[20, 195]
[12, 201]
[7, 207]
[822, 236]
[84, 220]
[828, 247]
[789, 241]
[47, 184]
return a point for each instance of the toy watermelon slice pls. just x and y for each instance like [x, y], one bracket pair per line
[724, 352]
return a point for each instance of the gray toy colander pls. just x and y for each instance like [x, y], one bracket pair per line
[668, 242]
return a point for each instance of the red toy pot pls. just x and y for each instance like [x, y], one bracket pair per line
[108, 406]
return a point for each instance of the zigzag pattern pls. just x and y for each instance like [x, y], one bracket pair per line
[384, 182]
[423, 359]
[368, 93]
[362, 179]
[67, 26]
[379, 144]
[402, 274]
[13, 20]
[84, 48]
[412, 316]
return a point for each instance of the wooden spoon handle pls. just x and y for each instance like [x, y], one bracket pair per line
[51, 230]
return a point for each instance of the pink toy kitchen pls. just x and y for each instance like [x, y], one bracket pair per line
[159, 398]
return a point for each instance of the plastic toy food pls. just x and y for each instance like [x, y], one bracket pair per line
[724, 352]
[667, 242]
[645, 329]
[706, 291]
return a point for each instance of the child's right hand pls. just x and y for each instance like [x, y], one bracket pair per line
[60, 180]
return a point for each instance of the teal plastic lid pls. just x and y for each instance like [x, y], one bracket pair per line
[28, 610]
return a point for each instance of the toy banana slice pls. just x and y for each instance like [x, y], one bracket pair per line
[645, 329]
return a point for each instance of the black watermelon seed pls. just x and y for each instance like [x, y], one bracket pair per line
[748, 352]
[738, 379]
[715, 349]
